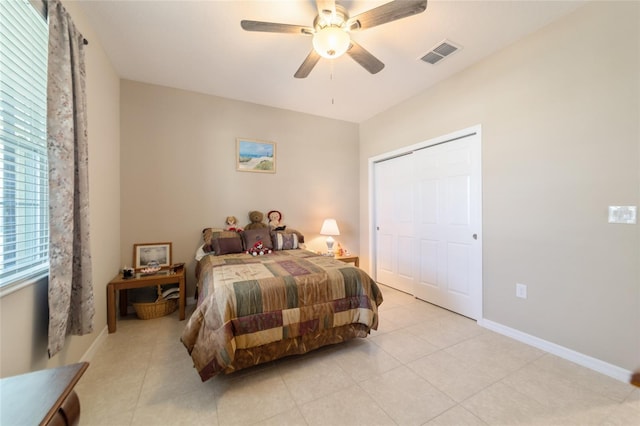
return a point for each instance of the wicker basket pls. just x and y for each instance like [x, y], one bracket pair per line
[156, 309]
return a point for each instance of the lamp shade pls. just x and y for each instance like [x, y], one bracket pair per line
[329, 227]
[331, 42]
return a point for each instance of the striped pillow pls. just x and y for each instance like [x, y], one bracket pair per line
[284, 241]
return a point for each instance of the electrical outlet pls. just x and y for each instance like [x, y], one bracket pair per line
[521, 291]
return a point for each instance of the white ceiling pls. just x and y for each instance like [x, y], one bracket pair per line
[200, 46]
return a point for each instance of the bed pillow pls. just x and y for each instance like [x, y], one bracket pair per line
[226, 242]
[252, 236]
[298, 234]
[208, 234]
[284, 240]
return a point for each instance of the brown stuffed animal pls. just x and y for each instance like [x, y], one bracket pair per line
[256, 219]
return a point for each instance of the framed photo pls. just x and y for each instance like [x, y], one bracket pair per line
[145, 253]
[255, 156]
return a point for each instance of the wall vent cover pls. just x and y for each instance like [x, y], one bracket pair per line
[440, 51]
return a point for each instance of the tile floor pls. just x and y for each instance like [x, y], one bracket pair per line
[424, 366]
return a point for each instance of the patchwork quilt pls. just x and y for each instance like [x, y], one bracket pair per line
[256, 309]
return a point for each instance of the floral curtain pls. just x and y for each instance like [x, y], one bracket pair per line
[71, 307]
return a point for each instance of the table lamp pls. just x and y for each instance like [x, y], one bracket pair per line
[330, 228]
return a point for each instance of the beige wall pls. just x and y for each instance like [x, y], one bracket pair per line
[559, 114]
[23, 314]
[179, 173]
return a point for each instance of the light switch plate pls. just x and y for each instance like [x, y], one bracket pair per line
[622, 214]
[521, 291]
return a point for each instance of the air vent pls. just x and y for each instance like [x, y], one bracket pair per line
[440, 51]
[432, 58]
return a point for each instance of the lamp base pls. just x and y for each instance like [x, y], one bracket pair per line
[330, 242]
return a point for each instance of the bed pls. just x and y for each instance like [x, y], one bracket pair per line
[255, 309]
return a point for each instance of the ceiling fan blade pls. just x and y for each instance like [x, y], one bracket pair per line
[307, 65]
[326, 7]
[364, 58]
[388, 12]
[272, 27]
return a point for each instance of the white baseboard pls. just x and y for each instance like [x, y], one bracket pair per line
[93, 349]
[594, 364]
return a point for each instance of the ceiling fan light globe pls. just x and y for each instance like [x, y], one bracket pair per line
[331, 42]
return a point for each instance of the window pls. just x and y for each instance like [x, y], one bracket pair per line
[24, 226]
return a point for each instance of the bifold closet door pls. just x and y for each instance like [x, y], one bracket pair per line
[394, 212]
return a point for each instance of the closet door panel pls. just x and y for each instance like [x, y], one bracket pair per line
[394, 208]
[447, 200]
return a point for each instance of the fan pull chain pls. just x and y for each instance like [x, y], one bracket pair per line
[332, 100]
[332, 84]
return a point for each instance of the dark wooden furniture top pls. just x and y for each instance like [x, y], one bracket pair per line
[44, 397]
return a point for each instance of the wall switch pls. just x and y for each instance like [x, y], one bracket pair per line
[521, 291]
[623, 214]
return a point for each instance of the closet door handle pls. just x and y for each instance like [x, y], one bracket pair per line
[475, 236]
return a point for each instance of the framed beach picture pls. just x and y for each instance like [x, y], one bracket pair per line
[147, 252]
[255, 156]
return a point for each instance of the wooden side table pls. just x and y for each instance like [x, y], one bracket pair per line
[44, 397]
[350, 258]
[140, 280]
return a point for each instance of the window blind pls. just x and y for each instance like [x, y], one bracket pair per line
[24, 187]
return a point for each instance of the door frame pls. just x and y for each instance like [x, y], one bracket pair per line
[469, 131]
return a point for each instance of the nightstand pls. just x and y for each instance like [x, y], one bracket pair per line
[349, 258]
[121, 284]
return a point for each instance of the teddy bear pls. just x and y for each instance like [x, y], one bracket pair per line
[258, 249]
[256, 219]
[232, 224]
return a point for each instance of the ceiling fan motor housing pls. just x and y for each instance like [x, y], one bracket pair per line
[329, 19]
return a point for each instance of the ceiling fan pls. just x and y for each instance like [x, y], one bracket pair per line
[331, 28]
